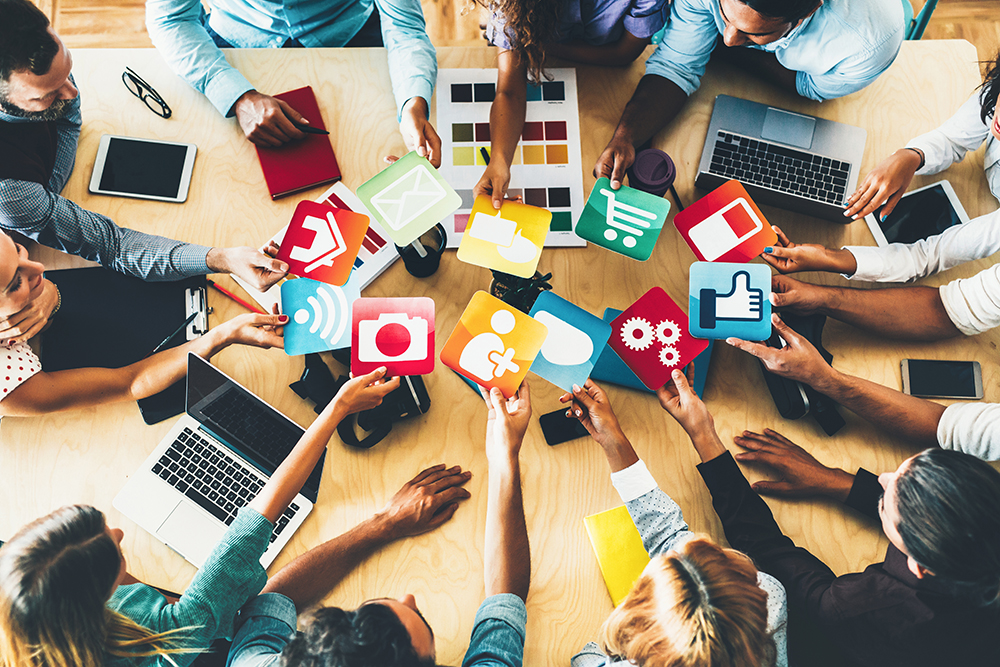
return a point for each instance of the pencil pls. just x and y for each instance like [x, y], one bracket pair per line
[236, 298]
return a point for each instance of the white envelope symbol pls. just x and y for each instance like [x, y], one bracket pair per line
[410, 195]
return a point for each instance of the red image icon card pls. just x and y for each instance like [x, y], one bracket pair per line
[725, 226]
[397, 333]
[322, 242]
[652, 338]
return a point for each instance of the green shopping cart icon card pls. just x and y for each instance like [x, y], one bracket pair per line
[627, 221]
[409, 198]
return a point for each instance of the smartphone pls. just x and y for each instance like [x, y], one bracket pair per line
[942, 379]
[558, 428]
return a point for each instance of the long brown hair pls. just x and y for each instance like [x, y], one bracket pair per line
[56, 575]
[528, 24]
[700, 607]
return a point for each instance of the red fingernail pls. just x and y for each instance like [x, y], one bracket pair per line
[282, 318]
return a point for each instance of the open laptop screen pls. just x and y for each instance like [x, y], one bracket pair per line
[251, 427]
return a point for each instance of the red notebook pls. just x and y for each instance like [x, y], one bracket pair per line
[302, 164]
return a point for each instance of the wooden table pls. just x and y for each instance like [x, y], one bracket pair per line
[85, 456]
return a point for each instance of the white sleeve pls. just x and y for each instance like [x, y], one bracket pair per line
[17, 364]
[633, 482]
[903, 262]
[973, 428]
[948, 144]
[973, 304]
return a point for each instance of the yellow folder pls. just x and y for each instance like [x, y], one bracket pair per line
[618, 547]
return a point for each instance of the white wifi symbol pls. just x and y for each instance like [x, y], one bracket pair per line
[326, 295]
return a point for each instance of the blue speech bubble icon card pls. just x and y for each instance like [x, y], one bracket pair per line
[730, 300]
[319, 315]
[575, 341]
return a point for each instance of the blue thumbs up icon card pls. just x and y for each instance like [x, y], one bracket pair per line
[575, 341]
[319, 315]
[730, 300]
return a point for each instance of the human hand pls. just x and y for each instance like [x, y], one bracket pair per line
[506, 421]
[268, 121]
[256, 330]
[885, 184]
[32, 318]
[494, 182]
[800, 474]
[418, 133]
[798, 360]
[684, 405]
[591, 406]
[616, 158]
[788, 257]
[425, 502]
[799, 297]
[364, 392]
[257, 267]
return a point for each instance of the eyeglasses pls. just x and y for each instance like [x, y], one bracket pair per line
[146, 93]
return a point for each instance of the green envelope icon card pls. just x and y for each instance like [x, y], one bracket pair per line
[627, 221]
[409, 198]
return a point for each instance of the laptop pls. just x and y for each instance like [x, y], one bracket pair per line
[214, 461]
[790, 160]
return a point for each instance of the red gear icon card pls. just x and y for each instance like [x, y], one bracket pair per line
[322, 242]
[725, 226]
[397, 333]
[652, 338]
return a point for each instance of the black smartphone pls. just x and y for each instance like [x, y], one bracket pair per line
[942, 379]
[558, 428]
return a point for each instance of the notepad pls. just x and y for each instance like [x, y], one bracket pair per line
[618, 547]
[304, 163]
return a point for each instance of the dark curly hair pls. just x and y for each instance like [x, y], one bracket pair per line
[990, 89]
[791, 11]
[25, 42]
[528, 24]
[370, 636]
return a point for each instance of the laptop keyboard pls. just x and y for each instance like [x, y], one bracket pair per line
[266, 435]
[213, 479]
[778, 168]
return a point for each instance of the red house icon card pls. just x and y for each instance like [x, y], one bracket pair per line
[725, 226]
[322, 242]
[652, 338]
[397, 333]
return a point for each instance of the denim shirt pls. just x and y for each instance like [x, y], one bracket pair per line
[177, 32]
[841, 48]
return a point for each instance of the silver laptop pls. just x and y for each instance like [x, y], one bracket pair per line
[800, 163]
[215, 459]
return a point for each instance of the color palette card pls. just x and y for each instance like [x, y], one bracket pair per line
[508, 240]
[627, 221]
[408, 198]
[652, 338]
[574, 343]
[493, 344]
[725, 225]
[728, 299]
[322, 242]
[397, 333]
[319, 315]
[619, 550]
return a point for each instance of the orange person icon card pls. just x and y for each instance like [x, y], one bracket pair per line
[494, 344]
[322, 242]
[508, 240]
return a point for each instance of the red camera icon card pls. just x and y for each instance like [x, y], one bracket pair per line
[322, 242]
[396, 333]
[725, 226]
[652, 338]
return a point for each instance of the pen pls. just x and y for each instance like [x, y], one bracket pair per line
[486, 155]
[236, 298]
[169, 338]
[308, 129]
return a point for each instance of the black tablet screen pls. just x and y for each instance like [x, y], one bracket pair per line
[140, 167]
[918, 216]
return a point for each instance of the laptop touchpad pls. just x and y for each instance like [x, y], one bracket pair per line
[190, 533]
[788, 128]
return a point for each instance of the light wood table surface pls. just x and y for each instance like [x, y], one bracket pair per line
[85, 456]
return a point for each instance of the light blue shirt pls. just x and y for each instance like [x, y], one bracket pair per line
[176, 30]
[840, 49]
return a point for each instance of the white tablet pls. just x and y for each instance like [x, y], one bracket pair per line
[143, 168]
[921, 213]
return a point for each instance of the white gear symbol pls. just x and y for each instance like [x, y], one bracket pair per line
[669, 356]
[634, 326]
[668, 332]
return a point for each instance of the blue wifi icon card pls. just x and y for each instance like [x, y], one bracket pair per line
[319, 315]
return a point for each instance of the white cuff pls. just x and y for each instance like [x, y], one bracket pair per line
[870, 263]
[973, 428]
[633, 482]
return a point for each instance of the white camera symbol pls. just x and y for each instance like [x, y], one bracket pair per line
[369, 334]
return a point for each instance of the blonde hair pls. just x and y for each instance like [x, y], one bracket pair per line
[56, 576]
[700, 606]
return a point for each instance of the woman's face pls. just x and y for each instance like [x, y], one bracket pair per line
[116, 534]
[995, 125]
[20, 278]
[890, 516]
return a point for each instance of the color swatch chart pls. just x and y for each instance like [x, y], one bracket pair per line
[547, 157]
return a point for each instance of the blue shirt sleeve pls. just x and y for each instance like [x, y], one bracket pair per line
[645, 18]
[68, 137]
[660, 522]
[265, 625]
[412, 58]
[853, 73]
[182, 41]
[498, 633]
[687, 45]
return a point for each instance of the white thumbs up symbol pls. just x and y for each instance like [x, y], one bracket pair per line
[743, 303]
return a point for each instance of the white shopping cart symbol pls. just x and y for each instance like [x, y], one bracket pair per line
[619, 214]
